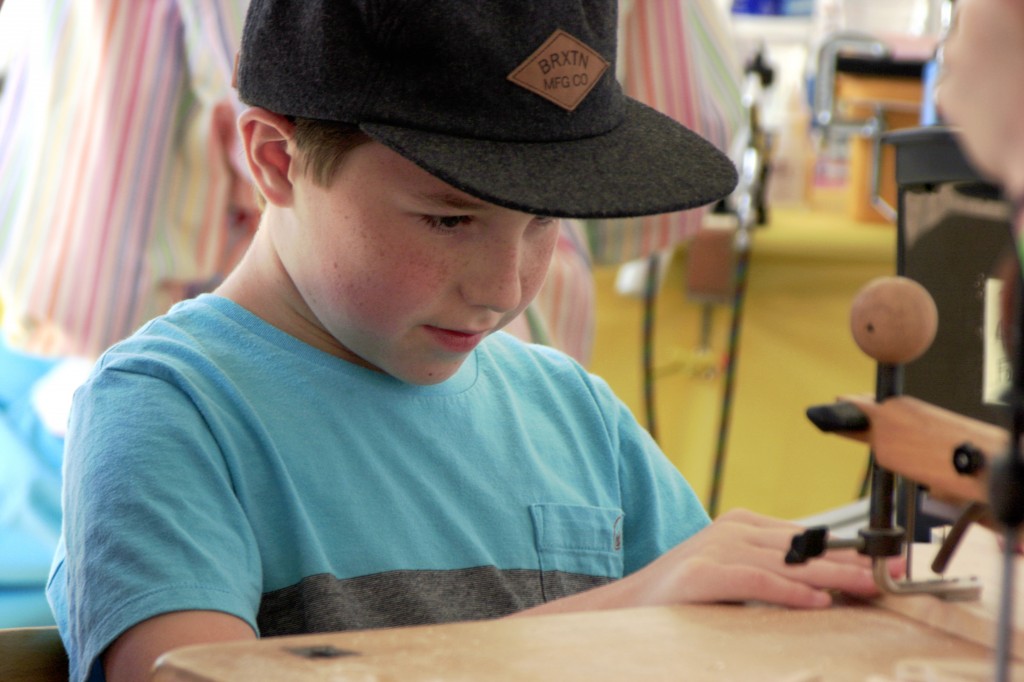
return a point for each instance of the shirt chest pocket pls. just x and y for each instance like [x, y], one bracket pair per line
[578, 546]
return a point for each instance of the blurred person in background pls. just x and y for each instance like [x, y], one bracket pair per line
[979, 89]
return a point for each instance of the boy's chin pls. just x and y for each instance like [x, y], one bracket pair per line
[426, 376]
[420, 374]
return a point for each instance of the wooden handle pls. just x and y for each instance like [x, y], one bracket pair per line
[918, 440]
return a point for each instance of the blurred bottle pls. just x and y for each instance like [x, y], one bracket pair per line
[778, 8]
[760, 7]
[791, 153]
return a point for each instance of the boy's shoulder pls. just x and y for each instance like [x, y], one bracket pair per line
[198, 339]
[505, 346]
[534, 367]
[189, 323]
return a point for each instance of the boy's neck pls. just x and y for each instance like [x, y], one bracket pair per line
[261, 285]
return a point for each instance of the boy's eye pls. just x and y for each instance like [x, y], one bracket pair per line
[446, 222]
[450, 220]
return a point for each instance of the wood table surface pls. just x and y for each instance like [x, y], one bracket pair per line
[849, 641]
[978, 558]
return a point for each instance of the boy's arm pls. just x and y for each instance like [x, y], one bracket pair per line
[738, 558]
[132, 655]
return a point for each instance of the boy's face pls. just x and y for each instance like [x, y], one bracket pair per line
[403, 273]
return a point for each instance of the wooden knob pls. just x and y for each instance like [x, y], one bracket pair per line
[894, 320]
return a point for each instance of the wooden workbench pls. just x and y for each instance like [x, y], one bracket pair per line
[854, 642]
[893, 638]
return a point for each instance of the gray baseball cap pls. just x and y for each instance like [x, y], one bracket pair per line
[512, 101]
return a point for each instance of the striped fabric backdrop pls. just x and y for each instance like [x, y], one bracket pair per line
[563, 314]
[115, 188]
[679, 57]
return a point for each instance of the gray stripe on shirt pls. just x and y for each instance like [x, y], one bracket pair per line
[323, 603]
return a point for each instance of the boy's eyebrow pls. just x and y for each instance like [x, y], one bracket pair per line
[453, 200]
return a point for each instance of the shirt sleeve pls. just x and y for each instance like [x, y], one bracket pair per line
[151, 521]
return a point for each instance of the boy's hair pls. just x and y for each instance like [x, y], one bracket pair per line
[323, 145]
[512, 102]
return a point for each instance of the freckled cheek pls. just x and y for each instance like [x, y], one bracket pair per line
[386, 296]
[536, 265]
[531, 283]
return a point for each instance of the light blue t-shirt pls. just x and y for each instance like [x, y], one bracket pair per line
[215, 462]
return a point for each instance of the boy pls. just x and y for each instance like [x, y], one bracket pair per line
[341, 437]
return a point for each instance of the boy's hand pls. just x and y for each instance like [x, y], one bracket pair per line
[741, 557]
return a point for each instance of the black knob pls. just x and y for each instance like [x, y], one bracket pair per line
[968, 460]
[807, 545]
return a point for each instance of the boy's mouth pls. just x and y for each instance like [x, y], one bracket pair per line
[455, 341]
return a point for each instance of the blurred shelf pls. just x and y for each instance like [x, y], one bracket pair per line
[772, 29]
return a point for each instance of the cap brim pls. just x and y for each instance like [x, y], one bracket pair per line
[648, 164]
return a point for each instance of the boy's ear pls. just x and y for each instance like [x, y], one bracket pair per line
[266, 137]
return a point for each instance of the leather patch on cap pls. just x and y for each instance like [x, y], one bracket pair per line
[563, 70]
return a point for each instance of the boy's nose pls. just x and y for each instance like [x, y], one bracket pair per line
[492, 279]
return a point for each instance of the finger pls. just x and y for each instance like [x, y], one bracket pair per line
[730, 537]
[741, 537]
[781, 540]
[857, 580]
[745, 516]
[711, 582]
[845, 571]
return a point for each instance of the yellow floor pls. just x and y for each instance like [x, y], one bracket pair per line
[795, 351]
